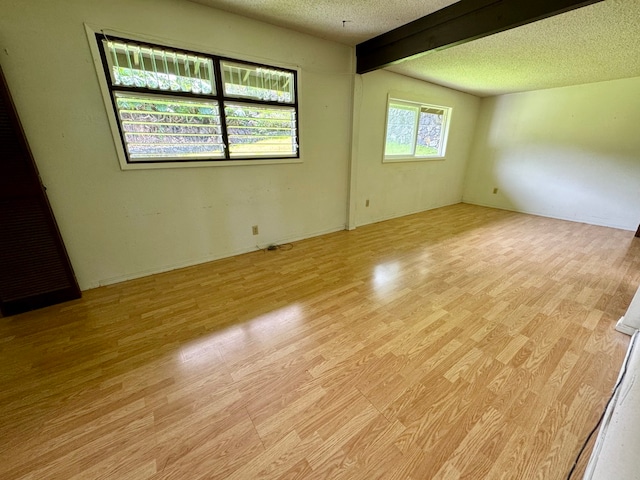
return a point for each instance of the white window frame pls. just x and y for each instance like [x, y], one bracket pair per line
[412, 157]
[92, 31]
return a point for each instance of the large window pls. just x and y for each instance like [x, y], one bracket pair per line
[415, 131]
[178, 106]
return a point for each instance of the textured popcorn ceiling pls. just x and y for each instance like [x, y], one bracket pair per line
[362, 19]
[595, 43]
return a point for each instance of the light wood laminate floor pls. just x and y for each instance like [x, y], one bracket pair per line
[463, 342]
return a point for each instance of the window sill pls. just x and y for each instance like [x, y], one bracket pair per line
[411, 159]
[214, 163]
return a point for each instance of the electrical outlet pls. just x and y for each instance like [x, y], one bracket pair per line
[495, 190]
[254, 229]
[366, 203]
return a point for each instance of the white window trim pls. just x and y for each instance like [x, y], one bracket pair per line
[92, 30]
[400, 99]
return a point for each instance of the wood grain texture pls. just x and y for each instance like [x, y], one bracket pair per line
[459, 343]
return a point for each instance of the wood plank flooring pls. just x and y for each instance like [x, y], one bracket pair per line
[459, 343]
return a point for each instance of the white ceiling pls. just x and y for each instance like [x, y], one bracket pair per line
[594, 43]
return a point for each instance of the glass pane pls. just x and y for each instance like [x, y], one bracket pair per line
[261, 131]
[429, 132]
[163, 128]
[157, 68]
[401, 129]
[260, 83]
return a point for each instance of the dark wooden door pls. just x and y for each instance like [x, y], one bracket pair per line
[34, 267]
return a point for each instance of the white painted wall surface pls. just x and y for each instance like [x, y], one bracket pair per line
[571, 153]
[396, 189]
[124, 224]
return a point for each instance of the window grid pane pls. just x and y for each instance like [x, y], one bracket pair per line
[429, 132]
[250, 81]
[157, 127]
[401, 129]
[155, 68]
[256, 130]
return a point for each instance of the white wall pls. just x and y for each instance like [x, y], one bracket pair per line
[123, 224]
[395, 189]
[570, 153]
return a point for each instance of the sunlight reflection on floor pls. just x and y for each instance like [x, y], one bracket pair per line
[261, 329]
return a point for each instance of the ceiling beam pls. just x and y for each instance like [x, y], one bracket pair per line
[458, 23]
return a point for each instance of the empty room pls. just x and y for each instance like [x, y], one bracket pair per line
[278, 239]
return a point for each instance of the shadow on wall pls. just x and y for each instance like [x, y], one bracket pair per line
[558, 153]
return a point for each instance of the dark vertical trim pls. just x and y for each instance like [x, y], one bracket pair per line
[217, 74]
[638, 232]
[26, 193]
[458, 23]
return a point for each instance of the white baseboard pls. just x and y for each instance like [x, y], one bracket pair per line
[589, 221]
[624, 328]
[205, 259]
[392, 216]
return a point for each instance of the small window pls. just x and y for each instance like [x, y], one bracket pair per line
[415, 131]
[179, 106]
[258, 83]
